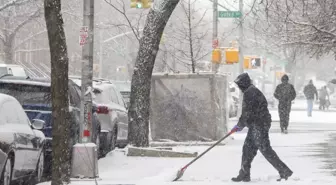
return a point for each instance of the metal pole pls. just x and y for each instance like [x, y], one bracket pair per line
[215, 30]
[264, 75]
[241, 55]
[241, 39]
[274, 78]
[87, 73]
[101, 53]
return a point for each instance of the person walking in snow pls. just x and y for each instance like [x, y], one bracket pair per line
[310, 91]
[323, 95]
[285, 93]
[256, 117]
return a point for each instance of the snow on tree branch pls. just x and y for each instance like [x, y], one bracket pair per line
[304, 24]
[13, 3]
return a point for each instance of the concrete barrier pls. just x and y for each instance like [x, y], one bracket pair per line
[152, 152]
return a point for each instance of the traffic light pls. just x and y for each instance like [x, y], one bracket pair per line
[216, 56]
[231, 56]
[256, 62]
[279, 74]
[247, 62]
[141, 4]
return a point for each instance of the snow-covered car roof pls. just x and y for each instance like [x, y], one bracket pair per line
[30, 81]
[99, 84]
[35, 82]
[10, 65]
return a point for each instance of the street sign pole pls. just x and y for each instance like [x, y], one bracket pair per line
[215, 32]
[87, 73]
[241, 55]
[85, 157]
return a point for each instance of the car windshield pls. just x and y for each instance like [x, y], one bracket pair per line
[123, 86]
[18, 71]
[27, 94]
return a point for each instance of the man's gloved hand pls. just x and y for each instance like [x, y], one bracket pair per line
[236, 128]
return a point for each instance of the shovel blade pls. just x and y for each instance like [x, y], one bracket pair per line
[179, 174]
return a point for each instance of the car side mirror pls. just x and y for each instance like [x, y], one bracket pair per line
[38, 124]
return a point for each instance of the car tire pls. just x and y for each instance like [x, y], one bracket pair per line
[114, 139]
[6, 176]
[105, 138]
[39, 171]
[97, 142]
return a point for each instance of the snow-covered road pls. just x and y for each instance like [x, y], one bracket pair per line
[298, 150]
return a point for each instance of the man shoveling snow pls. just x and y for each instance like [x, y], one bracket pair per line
[256, 117]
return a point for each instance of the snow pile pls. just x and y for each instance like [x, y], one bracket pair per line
[167, 175]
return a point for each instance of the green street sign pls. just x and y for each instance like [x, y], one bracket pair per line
[229, 14]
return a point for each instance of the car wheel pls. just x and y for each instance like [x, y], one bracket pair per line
[6, 176]
[98, 145]
[39, 171]
[40, 168]
[114, 138]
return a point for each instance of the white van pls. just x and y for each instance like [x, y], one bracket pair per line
[12, 69]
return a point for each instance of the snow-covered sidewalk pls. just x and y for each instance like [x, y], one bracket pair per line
[217, 167]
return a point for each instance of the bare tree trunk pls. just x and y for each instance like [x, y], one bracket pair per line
[138, 129]
[8, 43]
[9, 54]
[59, 92]
[190, 40]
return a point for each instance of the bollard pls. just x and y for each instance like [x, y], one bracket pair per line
[84, 161]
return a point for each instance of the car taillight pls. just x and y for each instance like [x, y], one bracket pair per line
[102, 110]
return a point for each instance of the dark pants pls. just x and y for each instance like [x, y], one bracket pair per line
[323, 102]
[284, 109]
[258, 139]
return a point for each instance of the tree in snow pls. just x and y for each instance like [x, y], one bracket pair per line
[298, 31]
[59, 92]
[301, 23]
[157, 18]
[14, 15]
[187, 36]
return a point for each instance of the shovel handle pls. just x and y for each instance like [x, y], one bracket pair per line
[207, 150]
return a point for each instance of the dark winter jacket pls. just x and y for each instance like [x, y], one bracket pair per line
[309, 91]
[323, 94]
[285, 91]
[255, 111]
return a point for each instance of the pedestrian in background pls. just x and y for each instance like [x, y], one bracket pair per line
[310, 92]
[285, 93]
[323, 95]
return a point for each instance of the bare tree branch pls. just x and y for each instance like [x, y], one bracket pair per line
[33, 16]
[13, 3]
[123, 12]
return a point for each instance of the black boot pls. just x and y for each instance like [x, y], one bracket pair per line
[285, 175]
[242, 177]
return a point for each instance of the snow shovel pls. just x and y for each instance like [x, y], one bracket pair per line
[182, 170]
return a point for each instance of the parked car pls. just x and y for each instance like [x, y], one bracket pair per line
[112, 113]
[124, 88]
[12, 70]
[35, 97]
[22, 144]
